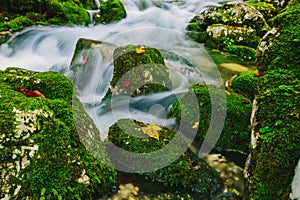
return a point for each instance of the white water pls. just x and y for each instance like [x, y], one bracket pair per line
[155, 23]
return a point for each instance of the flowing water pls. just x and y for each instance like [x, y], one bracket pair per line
[157, 23]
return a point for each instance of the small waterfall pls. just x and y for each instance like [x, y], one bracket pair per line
[97, 3]
[93, 12]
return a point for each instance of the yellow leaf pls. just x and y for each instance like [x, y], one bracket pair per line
[267, 91]
[196, 124]
[140, 50]
[151, 130]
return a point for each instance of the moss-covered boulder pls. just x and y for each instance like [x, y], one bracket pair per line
[275, 151]
[184, 174]
[236, 130]
[245, 83]
[139, 70]
[110, 11]
[230, 28]
[41, 155]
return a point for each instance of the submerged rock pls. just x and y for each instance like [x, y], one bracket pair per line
[42, 156]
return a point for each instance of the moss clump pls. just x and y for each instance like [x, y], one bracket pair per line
[69, 12]
[139, 70]
[112, 10]
[245, 83]
[236, 130]
[244, 52]
[41, 155]
[278, 147]
[183, 174]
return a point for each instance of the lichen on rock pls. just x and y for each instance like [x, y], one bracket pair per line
[42, 156]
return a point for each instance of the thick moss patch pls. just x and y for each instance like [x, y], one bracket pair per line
[245, 83]
[236, 130]
[184, 174]
[112, 10]
[139, 70]
[277, 150]
[41, 155]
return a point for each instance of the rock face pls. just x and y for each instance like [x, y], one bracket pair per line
[234, 23]
[275, 151]
[42, 156]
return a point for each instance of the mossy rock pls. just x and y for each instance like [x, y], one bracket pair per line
[69, 12]
[244, 52]
[236, 130]
[111, 10]
[234, 14]
[139, 70]
[245, 83]
[184, 174]
[42, 156]
[277, 150]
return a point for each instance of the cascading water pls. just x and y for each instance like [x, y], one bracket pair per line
[156, 23]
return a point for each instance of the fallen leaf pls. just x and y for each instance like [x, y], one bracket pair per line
[140, 50]
[127, 83]
[151, 130]
[196, 124]
[29, 93]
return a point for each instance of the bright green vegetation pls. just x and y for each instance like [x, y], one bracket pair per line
[278, 148]
[40, 150]
[139, 70]
[236, 131]
[244, 52]
[181, 174]
[17, 15]
[112, 10]
[245, 83]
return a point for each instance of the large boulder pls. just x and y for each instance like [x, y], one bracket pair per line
[234, 23]
[275, 149]
[42, 156]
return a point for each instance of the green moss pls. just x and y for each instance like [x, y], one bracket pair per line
[181, 174]
[42, 132]
[139, 70]
[17, 24]
[68, 11]
[245, 83]
[244, 52]
[277, 151]
[112, 10]
[236, 130]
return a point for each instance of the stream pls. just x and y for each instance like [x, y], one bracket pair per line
[156, 23]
